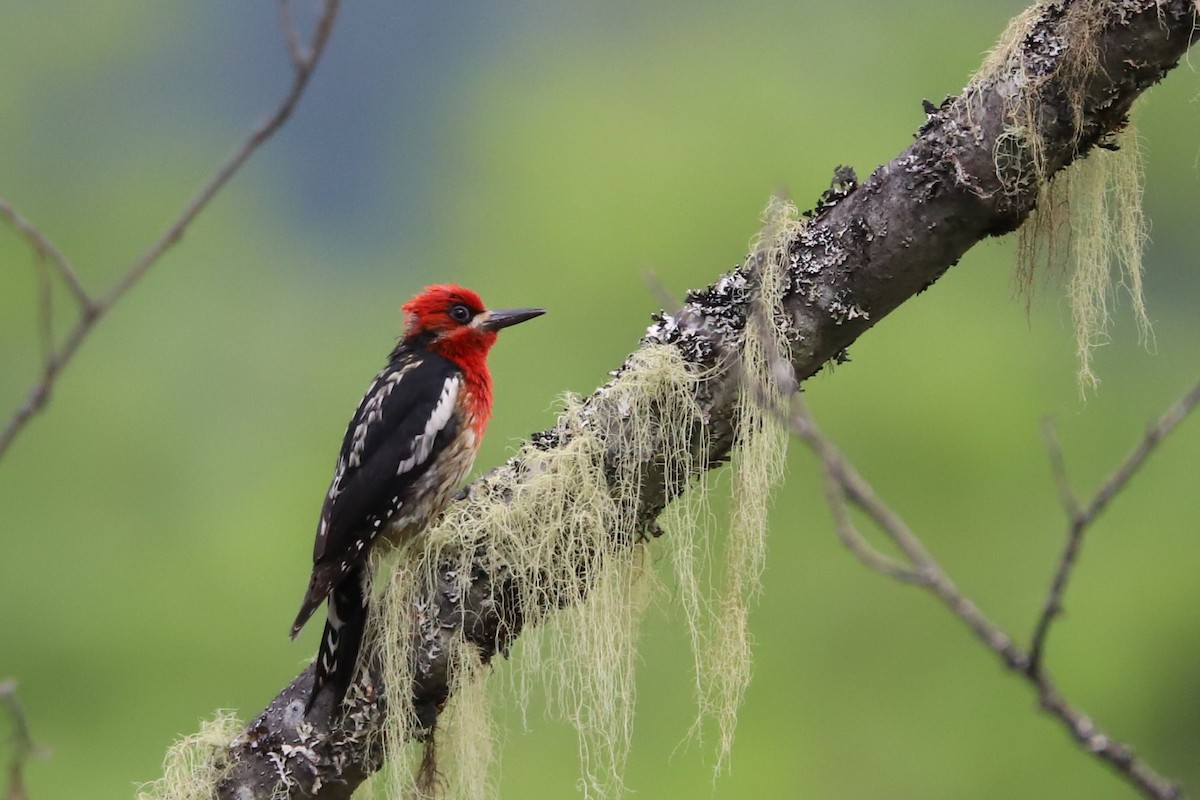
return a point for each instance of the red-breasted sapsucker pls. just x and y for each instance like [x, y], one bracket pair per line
[407, 448]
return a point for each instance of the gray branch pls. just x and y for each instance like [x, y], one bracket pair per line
[845, 485]
[866, 249]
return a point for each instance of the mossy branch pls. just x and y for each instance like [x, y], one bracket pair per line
[865, 250]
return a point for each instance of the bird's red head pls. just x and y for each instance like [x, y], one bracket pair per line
[453, 322]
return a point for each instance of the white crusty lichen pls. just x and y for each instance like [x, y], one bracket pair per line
[195, 764]
[1088, 217]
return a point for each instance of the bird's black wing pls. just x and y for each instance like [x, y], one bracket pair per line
[408, 412]
[406, 416]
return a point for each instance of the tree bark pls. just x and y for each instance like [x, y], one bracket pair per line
[866, 249]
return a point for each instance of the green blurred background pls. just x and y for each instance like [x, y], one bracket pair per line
[157, 519]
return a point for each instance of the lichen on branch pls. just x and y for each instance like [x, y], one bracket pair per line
[568, 540]
[195, 763]
[1088, 218]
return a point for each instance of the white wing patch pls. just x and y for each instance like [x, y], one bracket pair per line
[422, 445]
[371, 413]
[438, 420]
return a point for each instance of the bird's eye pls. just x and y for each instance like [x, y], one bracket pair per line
[461, 313]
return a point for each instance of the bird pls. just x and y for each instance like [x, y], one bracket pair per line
[407, 448]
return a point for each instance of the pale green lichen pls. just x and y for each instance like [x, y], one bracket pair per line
[1090, 216]
[758, 467]
[1089, 221]
[394, 587]
[1108, 235]
[567, 532]
[718, 615]
[559, 536]
[569, 536]
[469, 729]
[195, 764]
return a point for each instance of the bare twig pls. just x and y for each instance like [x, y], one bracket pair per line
[1058, 468]
[45, 249]
[291, 34]
[23, 747]
[45, 310]
[1079, 519]
[857, 544]
[92, 311]
[924, 570]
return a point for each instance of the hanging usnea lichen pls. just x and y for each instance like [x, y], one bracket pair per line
[718, 619]
[195, 763]
[567, 539]
[570, 537]
[1088, 218]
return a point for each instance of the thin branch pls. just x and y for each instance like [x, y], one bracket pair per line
[1058, 468]
[1080, 519]
[856, 543]
[45, 309]
[291, 34]
[23, 746]
[784, 403]
[923, 567]
[1133, 462]
[265, 130]
[45, 249]
[852, 487]
[94, 311]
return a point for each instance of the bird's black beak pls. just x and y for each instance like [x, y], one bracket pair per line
[509, 316]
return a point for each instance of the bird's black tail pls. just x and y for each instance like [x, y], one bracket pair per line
[342, 638]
